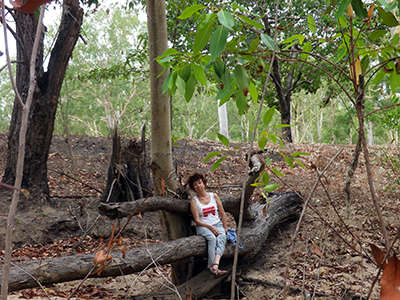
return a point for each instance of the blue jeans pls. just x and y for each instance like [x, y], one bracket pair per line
[215, 244]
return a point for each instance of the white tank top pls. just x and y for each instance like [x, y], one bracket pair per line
[208, 212]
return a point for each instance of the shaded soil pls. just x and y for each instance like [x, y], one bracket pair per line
[330, 256]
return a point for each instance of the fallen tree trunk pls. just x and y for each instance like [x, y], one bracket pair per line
[68, 268]
[125, 209]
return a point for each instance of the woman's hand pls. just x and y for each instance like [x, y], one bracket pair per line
[214, 230]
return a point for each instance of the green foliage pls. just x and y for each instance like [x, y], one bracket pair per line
[106, 78]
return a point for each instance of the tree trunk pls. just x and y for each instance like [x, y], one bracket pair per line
[128, 175]
[45, 99]
[164, 177]
[282, 208]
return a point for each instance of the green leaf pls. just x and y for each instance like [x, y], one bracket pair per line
[378, 77]
[229, 88]
[251, 22]
[265, 178]
[268, 41]
[172, 83]
[242, 78]
[185, 72]
[169, 52]
[217, 163]
[342, 8]
[211, 155]
[219, 68]
[268, 116]
[388, 6]
[271, 187]
[165, 84]
[395, 40]
[300, 154]
[276, 172]
[273, 138]
[262, 141]
[311, 23]
[199, 74]
[287, 159]
[202, 35]
[365, 63]
[282, 125]
[189, 88]
[387, 18]
[223, 139]
[253, 92]
[377, 34]
[343, 22]
[254, 44]
[181, 85]
[292, 38]
[163, 60]
[359, 9]
[299, 163]
[189, 11]
[394, 81]
[226, 19]
[218, 41]
[341, 52]
[306, 48]
[241, 103]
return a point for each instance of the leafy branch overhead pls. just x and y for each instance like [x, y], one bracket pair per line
[230, 50]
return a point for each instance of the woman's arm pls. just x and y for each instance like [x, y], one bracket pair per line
[195, 213]
[221, 211]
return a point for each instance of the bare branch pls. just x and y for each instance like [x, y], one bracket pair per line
[8, 56]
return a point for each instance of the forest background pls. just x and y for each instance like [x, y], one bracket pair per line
[107, 82]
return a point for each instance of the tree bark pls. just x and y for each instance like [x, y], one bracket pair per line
[45, 99]
[282, 207]
[164, 177]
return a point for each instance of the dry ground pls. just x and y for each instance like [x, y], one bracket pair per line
[330, 255]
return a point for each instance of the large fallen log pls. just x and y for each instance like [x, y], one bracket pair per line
[125, 209]
[68, 268]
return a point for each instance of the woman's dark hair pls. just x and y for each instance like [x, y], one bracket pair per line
[194, 177]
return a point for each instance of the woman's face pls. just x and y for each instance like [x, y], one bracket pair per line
[198, 185]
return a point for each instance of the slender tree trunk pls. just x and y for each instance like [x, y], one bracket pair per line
[45, 98]
[370, 133]
[164, 177]
[21, 153]
[223, 120]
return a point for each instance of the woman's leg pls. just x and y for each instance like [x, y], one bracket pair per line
[219, 247]
[211, 243]
[221, 240]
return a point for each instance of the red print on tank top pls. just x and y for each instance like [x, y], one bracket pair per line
[208, 210]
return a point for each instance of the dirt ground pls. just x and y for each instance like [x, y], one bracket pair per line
[330, 257]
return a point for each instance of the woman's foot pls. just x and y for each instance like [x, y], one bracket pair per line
[216, 271]
[221, 272]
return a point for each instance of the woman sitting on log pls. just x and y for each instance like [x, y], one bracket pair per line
[209, 216]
